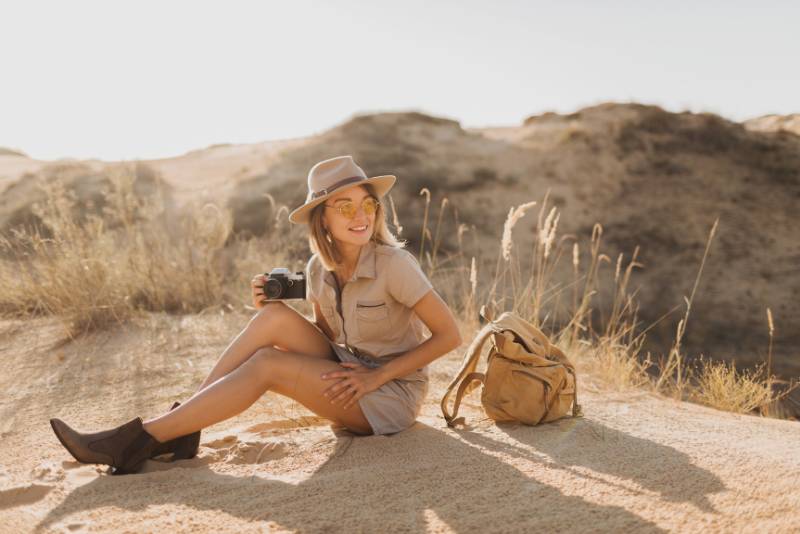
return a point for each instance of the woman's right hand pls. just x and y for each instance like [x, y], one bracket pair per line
[257, 290]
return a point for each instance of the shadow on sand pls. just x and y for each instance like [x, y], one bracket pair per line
[466, 478]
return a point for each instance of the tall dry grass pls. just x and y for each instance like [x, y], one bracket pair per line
[137, 256]
[611, 352]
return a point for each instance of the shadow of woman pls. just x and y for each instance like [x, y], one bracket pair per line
[375, 483]
[568, 443]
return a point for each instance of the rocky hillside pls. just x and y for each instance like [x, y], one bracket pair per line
[652, 178]
[775, 123]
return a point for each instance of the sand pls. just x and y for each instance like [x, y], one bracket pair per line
[634, 462]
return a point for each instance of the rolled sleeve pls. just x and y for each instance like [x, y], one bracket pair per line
[406, 283]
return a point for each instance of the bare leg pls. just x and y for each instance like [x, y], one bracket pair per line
[292, 374]
[274, 324]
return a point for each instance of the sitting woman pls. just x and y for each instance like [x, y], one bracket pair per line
[362, 364]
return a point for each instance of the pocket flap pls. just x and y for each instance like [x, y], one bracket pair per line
[372, 310]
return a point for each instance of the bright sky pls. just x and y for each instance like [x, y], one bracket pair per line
[148, 79]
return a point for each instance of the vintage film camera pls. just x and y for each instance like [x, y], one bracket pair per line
[282, 284]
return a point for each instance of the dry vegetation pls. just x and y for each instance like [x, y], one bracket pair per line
[136, 256]
[612, 352]
[139, 257]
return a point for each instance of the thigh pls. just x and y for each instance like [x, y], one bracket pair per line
[279, 325]
[297, 376]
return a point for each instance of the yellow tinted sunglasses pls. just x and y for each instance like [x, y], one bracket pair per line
[348, 207]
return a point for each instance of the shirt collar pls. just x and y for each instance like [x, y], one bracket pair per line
[365, 267]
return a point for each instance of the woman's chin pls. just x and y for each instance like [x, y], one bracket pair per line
[358, 239]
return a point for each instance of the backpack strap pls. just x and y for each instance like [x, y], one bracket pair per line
[466, 374]
[480, 377]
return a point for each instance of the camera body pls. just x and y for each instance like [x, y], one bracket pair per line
[282, 284]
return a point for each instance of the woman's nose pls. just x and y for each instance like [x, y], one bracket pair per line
[360, 211]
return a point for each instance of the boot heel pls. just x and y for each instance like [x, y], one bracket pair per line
[183, 447]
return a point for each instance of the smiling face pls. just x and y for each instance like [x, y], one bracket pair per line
[340, 227]
[345, 243]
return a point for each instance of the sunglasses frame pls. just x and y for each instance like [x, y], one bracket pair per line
[340, 207]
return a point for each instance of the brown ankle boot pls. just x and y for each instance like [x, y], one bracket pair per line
[183, 447]
[125, 447]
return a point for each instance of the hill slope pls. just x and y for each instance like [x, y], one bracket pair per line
[652, 178]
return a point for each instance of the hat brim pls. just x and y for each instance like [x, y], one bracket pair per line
[382, 186]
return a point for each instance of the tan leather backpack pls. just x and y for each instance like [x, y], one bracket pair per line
[527, 378]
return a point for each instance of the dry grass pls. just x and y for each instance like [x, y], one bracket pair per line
[721, 386]
[137, 257]
[140, 256]
[614, 348]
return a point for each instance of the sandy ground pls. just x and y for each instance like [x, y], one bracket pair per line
[635, 462]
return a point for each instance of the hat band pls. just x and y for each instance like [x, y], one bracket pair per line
[336, 186]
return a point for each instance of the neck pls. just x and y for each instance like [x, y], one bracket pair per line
[350, 253]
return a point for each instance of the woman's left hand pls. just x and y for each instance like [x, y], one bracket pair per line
[357, 381]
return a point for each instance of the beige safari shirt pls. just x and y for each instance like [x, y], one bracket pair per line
[373, 313]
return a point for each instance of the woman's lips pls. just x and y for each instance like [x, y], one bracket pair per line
[360, 231]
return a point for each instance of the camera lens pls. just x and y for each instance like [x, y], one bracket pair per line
[273, 288]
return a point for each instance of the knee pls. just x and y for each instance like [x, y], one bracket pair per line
[263, 361]
[264, 357]
[272, 311]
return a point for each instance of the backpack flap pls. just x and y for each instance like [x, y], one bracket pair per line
[520, 340]
[511, 347]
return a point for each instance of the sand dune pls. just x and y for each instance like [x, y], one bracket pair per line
[635, 462]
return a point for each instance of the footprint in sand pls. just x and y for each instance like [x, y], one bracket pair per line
[49, 471]
[78, 474]
[271, 427]
[233, 450]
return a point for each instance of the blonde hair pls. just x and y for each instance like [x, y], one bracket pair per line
[327, 251]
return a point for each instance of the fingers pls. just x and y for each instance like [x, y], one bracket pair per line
[343, 390]
[355, 394]
[257, 284]
[337, 374]
[347, 391]
[335, 389]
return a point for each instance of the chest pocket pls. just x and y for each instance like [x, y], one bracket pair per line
[372, 317]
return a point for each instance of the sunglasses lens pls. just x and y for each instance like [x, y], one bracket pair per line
[348, 209]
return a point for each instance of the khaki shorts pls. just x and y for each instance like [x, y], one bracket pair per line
[396, 404]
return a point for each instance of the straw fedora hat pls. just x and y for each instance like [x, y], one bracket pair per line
[331, 175]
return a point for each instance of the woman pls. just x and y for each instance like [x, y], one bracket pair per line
[362, 363]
